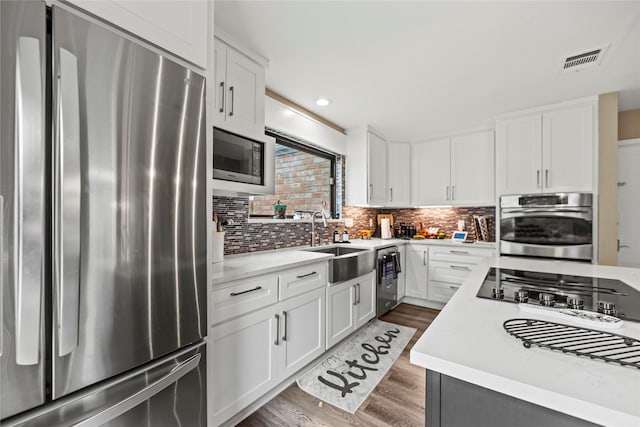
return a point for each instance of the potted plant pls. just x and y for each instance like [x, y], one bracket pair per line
[279, 210]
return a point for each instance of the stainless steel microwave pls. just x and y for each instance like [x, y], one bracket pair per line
[237, 158]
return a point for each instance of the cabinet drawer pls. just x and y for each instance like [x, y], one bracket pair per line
[302, 279]
[441, 292]
[464, 255]
[448, 272]
[244, 296]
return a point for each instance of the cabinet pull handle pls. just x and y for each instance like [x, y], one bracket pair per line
[358, 289]
[447, 192]
[424, 257]
[455, 288]
[222, 90]
[235, 294]
[459, 252]
[453, 192]
[538, 178]
[302, 276]
[277, 329]
[546, 177]
[232, 100]
[459, 267]
[284, 336]
[370, 192]
[355, 295]
[391, 194]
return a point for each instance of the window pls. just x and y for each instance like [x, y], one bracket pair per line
[305, 177]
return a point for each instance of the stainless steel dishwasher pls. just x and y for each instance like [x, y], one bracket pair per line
[387, 269]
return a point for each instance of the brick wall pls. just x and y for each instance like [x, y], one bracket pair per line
[302, 183]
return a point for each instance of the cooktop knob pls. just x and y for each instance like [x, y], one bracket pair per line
[607, 308]
[575, 303]
[521, 295]
[497, 293]
[547, 300]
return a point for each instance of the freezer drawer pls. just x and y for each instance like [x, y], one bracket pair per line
[168, 392]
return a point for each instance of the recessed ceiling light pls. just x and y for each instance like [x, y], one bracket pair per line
[323, 102]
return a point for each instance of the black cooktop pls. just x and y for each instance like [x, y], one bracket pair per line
[608, 296]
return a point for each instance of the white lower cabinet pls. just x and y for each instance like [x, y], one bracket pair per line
[448, 267]
[245, 362]
[302, 331]
[417, 271]
[350, 305]
[257, 349]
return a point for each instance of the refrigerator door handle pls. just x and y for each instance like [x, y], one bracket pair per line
[67, 204]
[28, 214]
[2, 269]
[143, 395]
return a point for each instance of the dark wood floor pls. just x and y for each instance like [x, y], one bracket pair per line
[398, 400]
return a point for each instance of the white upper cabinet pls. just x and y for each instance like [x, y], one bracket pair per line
[431, 173]
[456, 171]
[179, 27]
[399, 174]
[547, 151]
[239, 92]
[366, 169]
[519, 157]
[567, 149]
[472, 169]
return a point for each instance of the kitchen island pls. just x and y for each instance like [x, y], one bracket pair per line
[476, 370]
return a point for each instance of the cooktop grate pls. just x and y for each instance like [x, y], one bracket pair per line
[576, 340]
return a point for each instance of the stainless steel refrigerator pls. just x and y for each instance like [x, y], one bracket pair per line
[103, 215]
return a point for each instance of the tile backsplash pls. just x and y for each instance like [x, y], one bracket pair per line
[242, 236]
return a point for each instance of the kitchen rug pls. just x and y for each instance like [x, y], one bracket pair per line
[347, 376]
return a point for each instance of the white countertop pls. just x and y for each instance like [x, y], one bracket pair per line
[467, 341]
[242, 266]
[449, 242]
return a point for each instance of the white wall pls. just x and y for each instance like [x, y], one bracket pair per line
[283, 118]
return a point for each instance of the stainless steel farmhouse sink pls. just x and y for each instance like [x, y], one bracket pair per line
[347, 263]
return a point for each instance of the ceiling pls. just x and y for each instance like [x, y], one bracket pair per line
[412, 69]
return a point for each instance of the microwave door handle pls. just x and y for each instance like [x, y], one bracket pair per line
[67, 204]
[28, 221]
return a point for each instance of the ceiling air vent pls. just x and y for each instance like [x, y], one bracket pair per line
[586, 59]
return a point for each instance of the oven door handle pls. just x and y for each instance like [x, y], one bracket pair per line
[577, 214]
[545, 210]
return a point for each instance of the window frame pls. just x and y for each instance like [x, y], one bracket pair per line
[307, 148]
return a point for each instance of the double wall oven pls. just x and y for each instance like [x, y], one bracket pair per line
[558, 225]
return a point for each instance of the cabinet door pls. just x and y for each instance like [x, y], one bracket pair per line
[472, 169]
[179, 27]
[243, 361]
[430, 169]
[417, 273]
[377, 170]
[567, 149]
[399, 174]
[220, 77]
[302, 331]
[448, 272]
[341, 316]
[244, 94]
[403, 272]
[366, 298]
[441, 292]
[519, 169]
